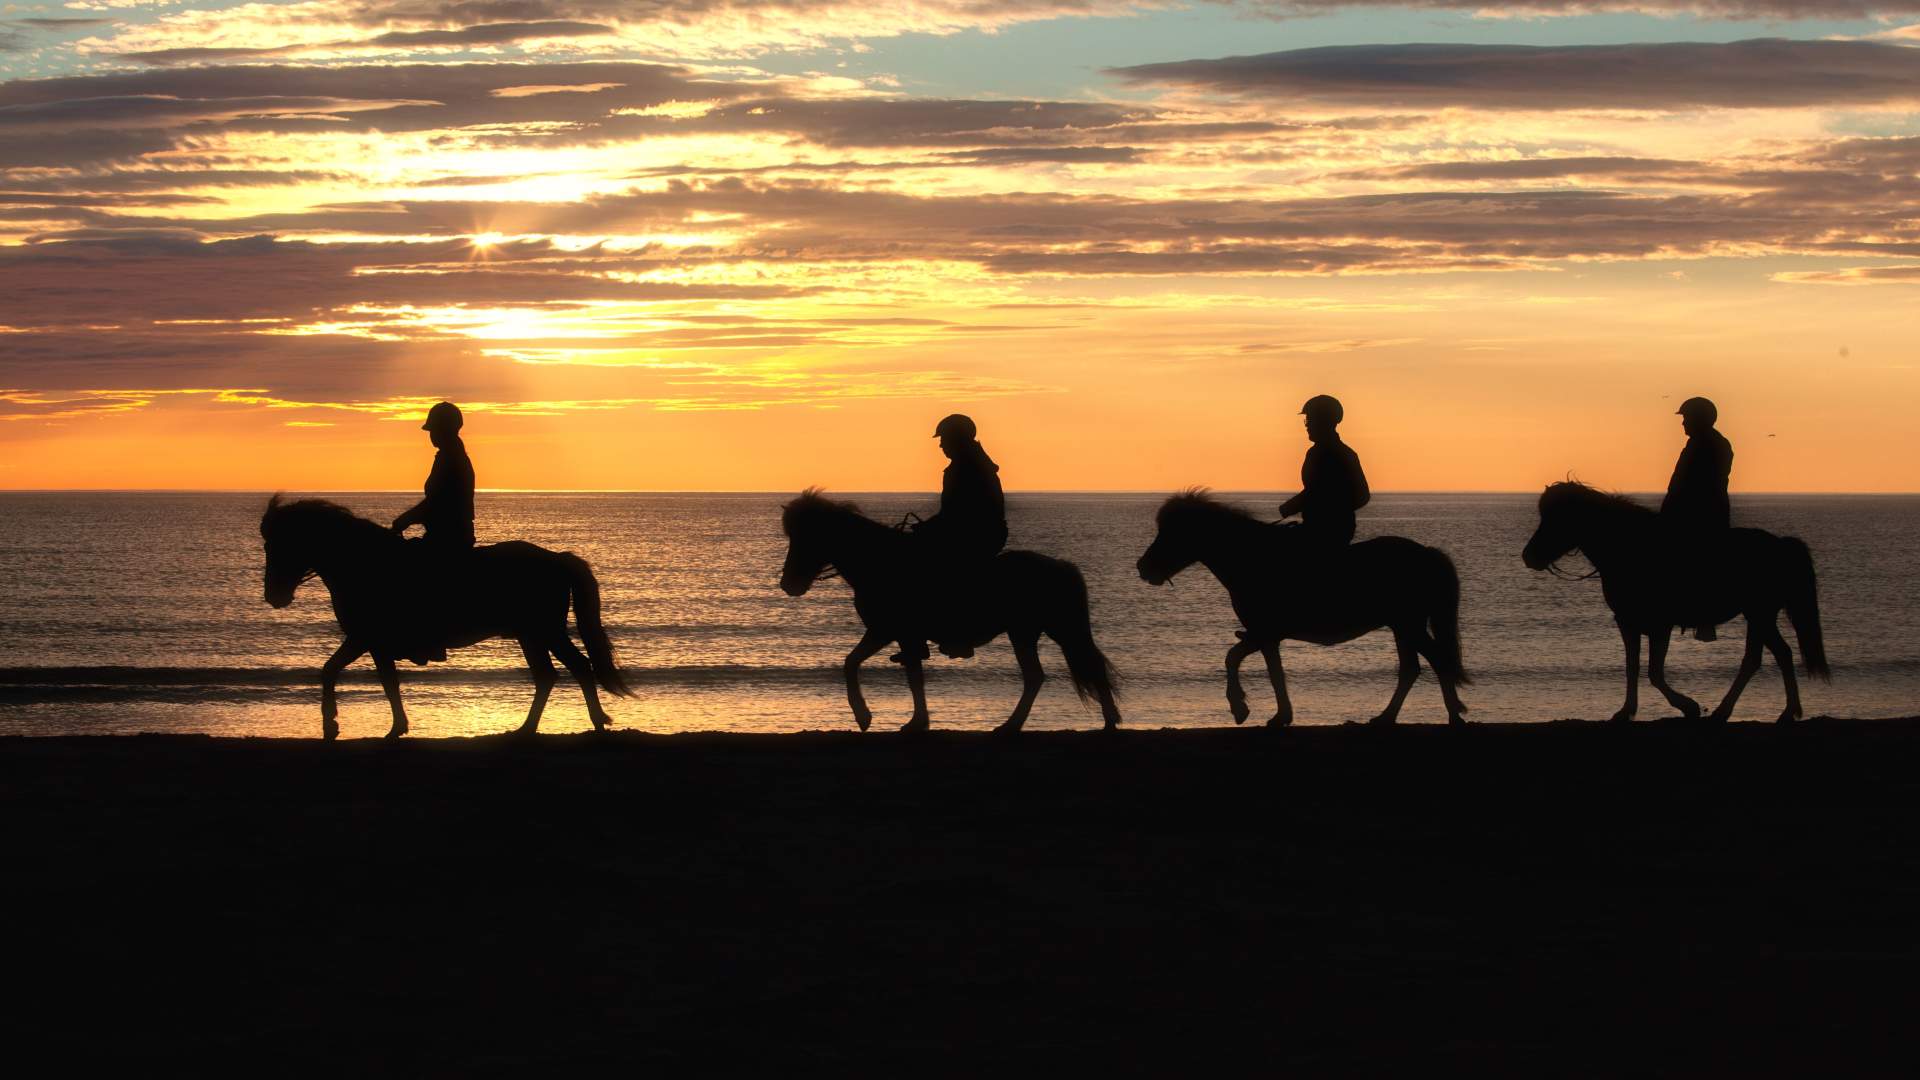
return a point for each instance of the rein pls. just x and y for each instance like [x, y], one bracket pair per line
[1568, 575]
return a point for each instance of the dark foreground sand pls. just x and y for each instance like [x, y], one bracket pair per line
[1564, 899]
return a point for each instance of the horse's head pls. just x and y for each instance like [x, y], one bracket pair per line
[1567, 511]
[811, 523]
[289, 559]
[1187, 523]
[301, 535]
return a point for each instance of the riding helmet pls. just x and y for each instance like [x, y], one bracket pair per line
[443, 417]
[1699, 408]
[958, 426]
[1323, 407]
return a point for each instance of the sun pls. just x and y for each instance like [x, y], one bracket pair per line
[484, 244]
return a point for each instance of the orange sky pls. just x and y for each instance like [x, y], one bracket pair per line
[245, 251]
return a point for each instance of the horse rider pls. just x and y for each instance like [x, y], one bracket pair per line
[971, 526]
[447, 508]
[446, 511]
[1696, 507]
[1332, 484]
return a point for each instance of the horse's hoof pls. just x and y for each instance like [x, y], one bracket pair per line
[863, 719]
[916, 727]
[329, 731]
[1787, 716]
[1624, 716]
[1280, 720]
[1007, 729]
[1689, 708]
[1456, 720]
[1383, 720]
[1240, 711]
[394, 733]
[1720, 716]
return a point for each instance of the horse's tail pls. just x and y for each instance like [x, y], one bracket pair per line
[586, 612]
[1803, 608]
[1092, 673]
[1443, 613]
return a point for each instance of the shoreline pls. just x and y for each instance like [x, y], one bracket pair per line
[1567, 898]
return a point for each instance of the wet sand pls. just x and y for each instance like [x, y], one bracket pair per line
[1559, 899]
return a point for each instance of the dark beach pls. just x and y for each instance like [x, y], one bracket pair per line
[1553, 899]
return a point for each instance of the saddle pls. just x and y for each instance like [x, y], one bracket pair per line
[433, 575]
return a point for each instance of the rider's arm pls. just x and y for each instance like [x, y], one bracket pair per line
[1362, 495]
[413, 516]
[1292, 506]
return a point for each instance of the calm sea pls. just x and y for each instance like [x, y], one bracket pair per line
[143, 612]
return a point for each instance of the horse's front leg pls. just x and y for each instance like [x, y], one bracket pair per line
[872, 643]
[349, 651]
[911, 654]
[1657, 639]
[390, 682]
[1749, 664]
[1237, 694]
[1630, 638]
[1277, 675]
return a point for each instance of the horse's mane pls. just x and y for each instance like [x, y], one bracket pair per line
[323, 513]
[1200, 504]
[1574, 492]
[813, 503]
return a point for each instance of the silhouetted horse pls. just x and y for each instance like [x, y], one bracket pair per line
[1285, 587]
[1020, 593]
[1653, 585]
[389, 603]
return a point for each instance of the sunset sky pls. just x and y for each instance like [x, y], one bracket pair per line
[760, 244]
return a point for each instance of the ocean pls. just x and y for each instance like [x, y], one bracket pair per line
[142, 612]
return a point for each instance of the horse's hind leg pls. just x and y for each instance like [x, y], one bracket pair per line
[1749, 664]
[1277, 675]
[1449, 686]
[540, 666]
[1026, 650]
[349, 651]
[1657, 639]
[1409, 671]
[911, 653]
[1783, 656]
[563, 647]
[390, 682]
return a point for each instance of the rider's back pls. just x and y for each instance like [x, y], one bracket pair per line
[1697, 493]
[448, 506]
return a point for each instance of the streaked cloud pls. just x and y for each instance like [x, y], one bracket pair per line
[1762, 73]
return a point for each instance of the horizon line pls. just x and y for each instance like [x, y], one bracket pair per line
[850, 490]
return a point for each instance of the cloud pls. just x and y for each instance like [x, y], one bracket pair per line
[324, 30]
[1853, 275]
[460, 37]
[1821, 10]
[1764, 73]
